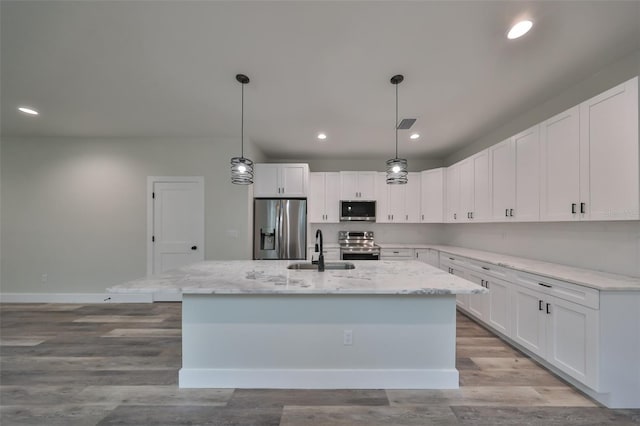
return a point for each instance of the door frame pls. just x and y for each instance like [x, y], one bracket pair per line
[151, 180]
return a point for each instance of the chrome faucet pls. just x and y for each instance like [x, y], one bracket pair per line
[319, 249]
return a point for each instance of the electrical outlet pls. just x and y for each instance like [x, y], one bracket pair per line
[348, 337]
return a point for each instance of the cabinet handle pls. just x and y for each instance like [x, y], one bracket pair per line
[573, 208]
[506, 212]
[539, 305]
[582, 207]
[391, 217]
[548, 306]
[396, 252]
[545, 285]
[452, 258]
[511, 212]
[485, 268]
[455, 216]
[422, 217]
[486, 285]
[407, 217]
[482, 283]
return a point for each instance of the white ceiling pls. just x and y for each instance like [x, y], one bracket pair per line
[167, 68]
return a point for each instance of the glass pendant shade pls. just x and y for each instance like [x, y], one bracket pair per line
[242, 168]
[397, 171]
[241, 171]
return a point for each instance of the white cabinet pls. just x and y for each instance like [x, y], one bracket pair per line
[514, 177]
[474, 188]
[432, 191]
[609, 172]
[559, 322]
[280, 180]
[324, 197]
[453, 194]
[330, 254]
[429, 256]
[398, 203]
[590, 160]
[560, 167]
[397, 254]
[358, 185]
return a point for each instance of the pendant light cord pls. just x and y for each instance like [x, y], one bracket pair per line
[242, 124]
[396, 125]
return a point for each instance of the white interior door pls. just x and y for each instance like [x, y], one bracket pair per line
[178, 224]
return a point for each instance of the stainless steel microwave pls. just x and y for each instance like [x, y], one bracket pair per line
[363, 211]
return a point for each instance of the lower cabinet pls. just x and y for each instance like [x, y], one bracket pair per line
[397, 254]
[330, 254]
[430, 256]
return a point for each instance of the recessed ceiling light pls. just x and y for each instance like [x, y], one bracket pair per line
[414, 136]
[28, 110]
[322, 136]
[519, 29]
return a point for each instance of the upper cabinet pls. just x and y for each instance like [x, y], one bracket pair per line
[432, 188]
[358, 185]
[590, 159]
[609, 173]
[514, 177]
[474, 188]
[398, 203]
[453, 194]
[324, 197]
[280, 180]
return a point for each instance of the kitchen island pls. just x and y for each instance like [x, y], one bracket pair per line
[257, 324]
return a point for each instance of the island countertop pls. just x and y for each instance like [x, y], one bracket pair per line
[272, 277]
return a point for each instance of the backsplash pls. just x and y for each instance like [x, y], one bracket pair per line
[384, 232]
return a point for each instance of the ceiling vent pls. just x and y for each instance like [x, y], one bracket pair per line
[406, 123]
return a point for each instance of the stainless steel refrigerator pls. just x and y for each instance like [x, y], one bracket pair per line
[279, 228]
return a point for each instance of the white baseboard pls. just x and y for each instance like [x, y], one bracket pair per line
[319, 378]
[76, 298]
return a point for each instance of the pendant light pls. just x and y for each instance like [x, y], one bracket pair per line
[397, 167]
[242, 168]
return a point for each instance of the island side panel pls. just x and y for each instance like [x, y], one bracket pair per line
[298, 341]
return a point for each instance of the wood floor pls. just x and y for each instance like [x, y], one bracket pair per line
[118, 365]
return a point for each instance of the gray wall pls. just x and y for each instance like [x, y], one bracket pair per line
[582, 90]
[359, 164]
[75, 209]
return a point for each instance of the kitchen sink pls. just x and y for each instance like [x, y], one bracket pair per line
[327, 265]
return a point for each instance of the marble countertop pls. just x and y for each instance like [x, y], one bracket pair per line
[272, 277]
[602, 281]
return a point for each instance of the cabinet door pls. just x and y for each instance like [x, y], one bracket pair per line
[266, 181]
[498, 309]
[560, 171]
[477, 302]
[367, 185]
[397, 197]
[453, 194]
[462, 300]
[573, 340]
[466, 190]
[412, 198]
[316, 201]
[609, 151]
[348, 185]
[294, 179]
[332, 197]
[480, 210]
[503, 180]
[383, 214]
[432, 196]
[529, 323]
[527, 161]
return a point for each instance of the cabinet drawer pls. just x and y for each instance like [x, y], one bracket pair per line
[397, 253]
[487, 269]
[581, 295]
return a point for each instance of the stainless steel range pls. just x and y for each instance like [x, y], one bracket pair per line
[358, 245]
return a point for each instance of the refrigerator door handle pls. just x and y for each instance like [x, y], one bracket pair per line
[279, 229]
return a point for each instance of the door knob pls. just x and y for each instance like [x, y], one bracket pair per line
[194, 247]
